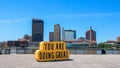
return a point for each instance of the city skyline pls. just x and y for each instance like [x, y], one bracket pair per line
[103, 16]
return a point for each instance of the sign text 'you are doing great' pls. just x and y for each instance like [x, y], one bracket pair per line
[52, 51]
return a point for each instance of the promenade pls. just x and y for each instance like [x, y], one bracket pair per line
[75, 61]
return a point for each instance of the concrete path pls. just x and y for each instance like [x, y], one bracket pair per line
[75, 61]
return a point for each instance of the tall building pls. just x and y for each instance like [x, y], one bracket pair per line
[69, 35]
[57, 32]
[37, 30]
[91, 35]
[118, 39]
[63, 34]
[51, 36]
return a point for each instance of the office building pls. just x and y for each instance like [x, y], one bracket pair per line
[82, 38]
[118, 39]
[57, 32]
[51, 36]
[91, 35]
[63, 34]
[4, 45]
[79, 43]
[69, 35]
[19, 43]
[110, 42]
[37, 30]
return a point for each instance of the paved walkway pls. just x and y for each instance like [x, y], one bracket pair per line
[76, 61]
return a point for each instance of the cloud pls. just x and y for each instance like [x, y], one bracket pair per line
[82, 15]
[19, 20]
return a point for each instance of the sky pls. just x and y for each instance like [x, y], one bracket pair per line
[103, 15]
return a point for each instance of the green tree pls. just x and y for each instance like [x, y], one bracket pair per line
[115, 45]
[103, 46]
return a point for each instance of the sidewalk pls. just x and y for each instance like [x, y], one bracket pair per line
[75, 61]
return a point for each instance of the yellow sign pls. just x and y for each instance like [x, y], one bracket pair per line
[49, 51]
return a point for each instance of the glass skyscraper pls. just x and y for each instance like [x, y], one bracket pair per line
[69, 34]
[37, 30]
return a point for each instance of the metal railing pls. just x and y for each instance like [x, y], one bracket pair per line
[18, 50]
[78, 50]
[73, 50]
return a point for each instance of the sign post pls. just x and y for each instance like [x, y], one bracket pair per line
[50, 51]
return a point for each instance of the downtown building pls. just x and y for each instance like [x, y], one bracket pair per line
[37, 30]
[118, 39]
[51, 36]
[68, 35]
[57, 32]
[91, 35]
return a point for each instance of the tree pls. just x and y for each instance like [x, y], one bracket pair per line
[106, 46]
[115, 45]
[103, 46]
